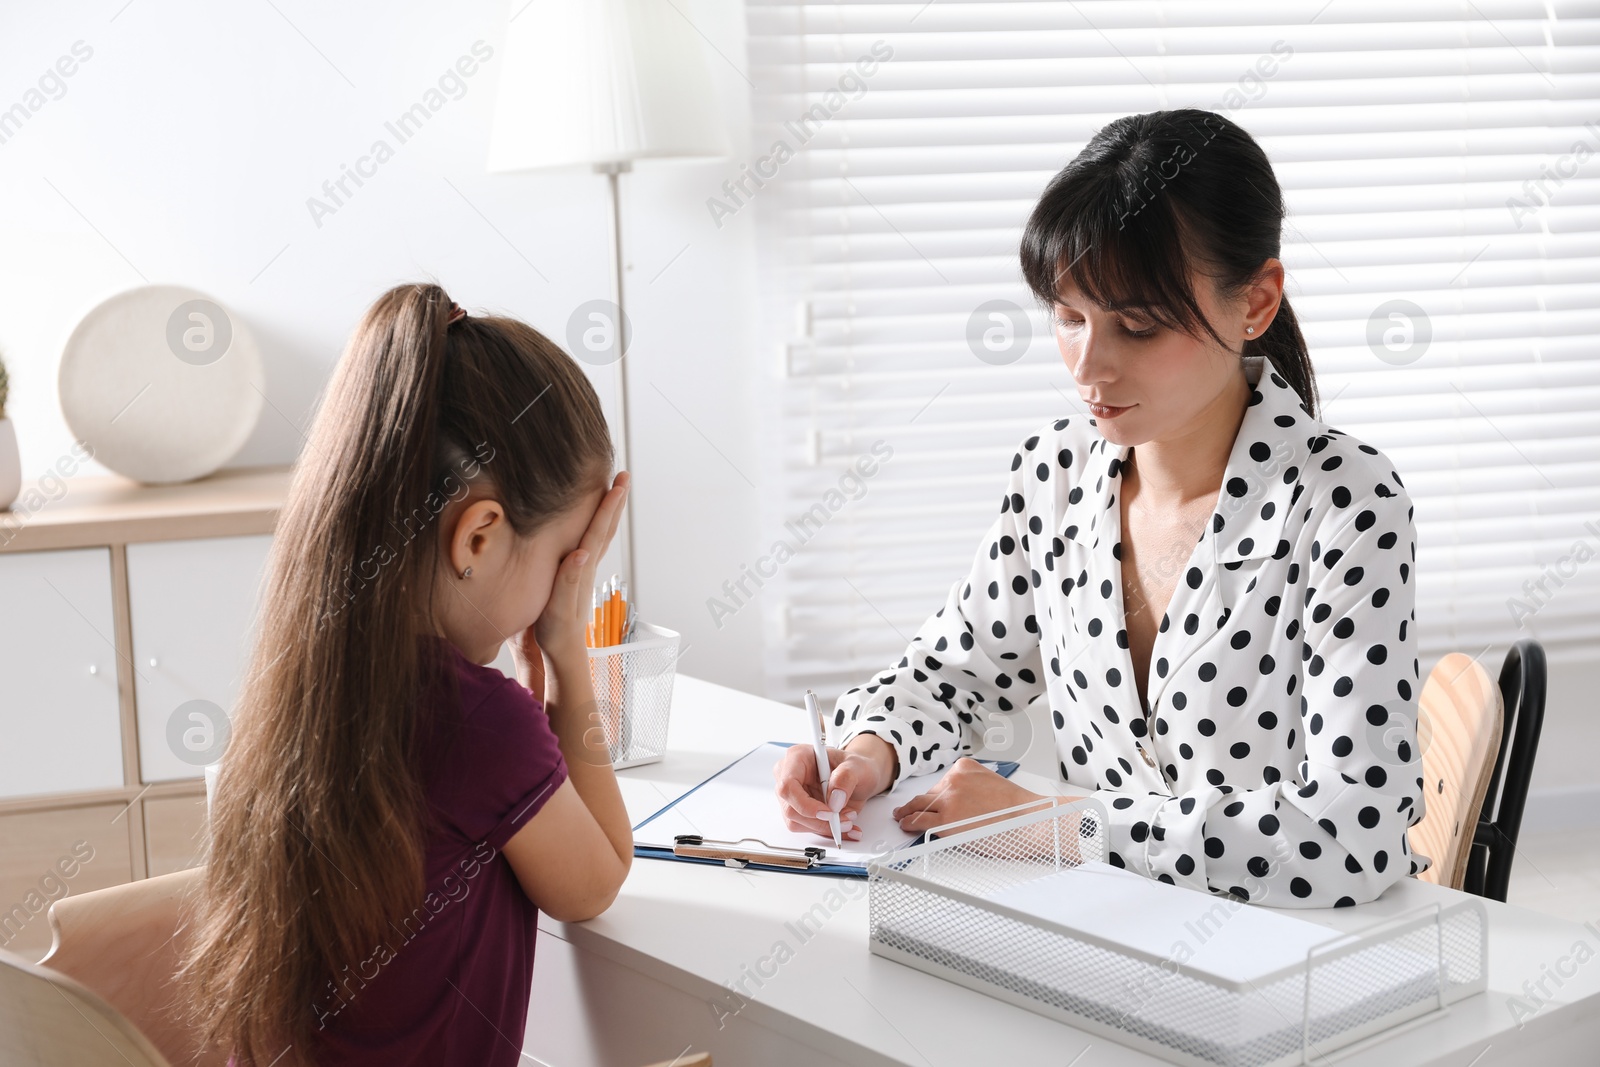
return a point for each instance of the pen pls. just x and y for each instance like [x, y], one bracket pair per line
[823, 769]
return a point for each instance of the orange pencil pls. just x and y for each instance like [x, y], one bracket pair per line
[595, 628]
[614, 634]
[605, 613]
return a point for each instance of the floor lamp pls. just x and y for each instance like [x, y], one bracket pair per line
[603, 84]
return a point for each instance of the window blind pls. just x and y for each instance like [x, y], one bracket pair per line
[1442, 251]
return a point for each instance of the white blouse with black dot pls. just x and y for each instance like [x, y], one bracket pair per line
[1278, 759]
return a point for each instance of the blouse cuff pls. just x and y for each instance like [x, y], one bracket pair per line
[1159, 837]
[893, 729]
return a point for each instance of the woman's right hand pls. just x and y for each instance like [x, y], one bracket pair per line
[853, 778]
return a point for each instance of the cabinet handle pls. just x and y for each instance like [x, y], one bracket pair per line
[94, 668]
[153, 661]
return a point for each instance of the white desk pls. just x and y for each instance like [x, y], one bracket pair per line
[645, 980]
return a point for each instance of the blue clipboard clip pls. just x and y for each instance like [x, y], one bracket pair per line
[732, 854]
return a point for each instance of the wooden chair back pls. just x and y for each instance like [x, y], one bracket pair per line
[49, 1020]
[1458, 730]
[124, 943]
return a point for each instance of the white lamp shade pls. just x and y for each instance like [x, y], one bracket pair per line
[590, 82]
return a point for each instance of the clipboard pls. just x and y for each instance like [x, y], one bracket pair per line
[730, 850]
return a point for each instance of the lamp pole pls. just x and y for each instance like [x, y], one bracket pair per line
[599, 84]
[613, 172]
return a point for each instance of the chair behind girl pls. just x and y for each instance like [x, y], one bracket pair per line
[124, 943]
[49, 1020]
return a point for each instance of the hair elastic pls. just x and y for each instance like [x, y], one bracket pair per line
[457, 313]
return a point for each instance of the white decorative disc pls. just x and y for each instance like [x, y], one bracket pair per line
[162, 382]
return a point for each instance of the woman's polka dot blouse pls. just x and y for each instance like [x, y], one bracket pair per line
[1278, 759]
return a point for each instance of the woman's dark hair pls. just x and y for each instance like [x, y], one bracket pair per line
[318, 830]
[1152, 198]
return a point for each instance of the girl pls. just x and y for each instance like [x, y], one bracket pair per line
[392, 815]
[1208, 587]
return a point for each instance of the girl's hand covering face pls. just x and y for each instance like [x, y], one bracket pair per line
[560, 629]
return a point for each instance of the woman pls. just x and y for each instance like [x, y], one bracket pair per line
[1211, 588]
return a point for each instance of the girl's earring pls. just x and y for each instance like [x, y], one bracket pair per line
[467, 573]
[1249, 329]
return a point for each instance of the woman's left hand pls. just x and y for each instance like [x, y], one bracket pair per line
[967, 789]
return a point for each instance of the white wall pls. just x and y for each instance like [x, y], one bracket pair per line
[1566, 788]
[185, 148]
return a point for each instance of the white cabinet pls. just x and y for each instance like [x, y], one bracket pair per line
[193, 607]
[60, 727]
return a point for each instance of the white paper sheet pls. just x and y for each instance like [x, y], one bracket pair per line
[742, 802]
[1230, 941]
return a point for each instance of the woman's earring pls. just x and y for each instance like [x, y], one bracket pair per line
[467, 573]
[1249, 329]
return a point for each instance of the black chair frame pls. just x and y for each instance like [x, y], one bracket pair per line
[1494, 842]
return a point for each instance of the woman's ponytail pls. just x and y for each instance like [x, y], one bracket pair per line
[1285, 348]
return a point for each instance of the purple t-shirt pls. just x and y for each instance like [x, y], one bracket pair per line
[452, 984]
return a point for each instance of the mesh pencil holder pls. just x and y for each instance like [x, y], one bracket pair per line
[633, 690]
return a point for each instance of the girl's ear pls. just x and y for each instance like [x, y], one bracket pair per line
[477, 526]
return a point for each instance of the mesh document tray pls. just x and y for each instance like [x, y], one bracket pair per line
[930, 909]
[633, 688]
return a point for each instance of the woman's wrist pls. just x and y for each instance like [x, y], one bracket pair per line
[882, 755]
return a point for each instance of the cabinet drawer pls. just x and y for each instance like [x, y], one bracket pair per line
[193, 607]
[47, 855]
[59, 718]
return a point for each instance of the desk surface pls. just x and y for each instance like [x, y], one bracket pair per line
[696, 927]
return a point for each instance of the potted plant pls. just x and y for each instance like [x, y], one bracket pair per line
[10, 459]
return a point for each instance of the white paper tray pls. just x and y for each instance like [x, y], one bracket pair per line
[930, 909]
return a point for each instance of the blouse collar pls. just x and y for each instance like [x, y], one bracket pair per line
[1276, 438]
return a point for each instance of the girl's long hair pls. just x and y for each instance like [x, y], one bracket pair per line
[318, 830]
[1153, 197]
